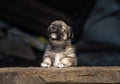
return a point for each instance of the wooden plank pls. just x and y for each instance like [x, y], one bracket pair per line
[38, 75]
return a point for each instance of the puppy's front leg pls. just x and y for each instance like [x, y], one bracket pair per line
[46, 62]
[67, 62]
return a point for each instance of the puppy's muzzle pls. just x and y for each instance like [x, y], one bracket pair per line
[53, 29]
[55, 32]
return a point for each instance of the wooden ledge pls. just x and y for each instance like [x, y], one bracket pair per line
[38, 75]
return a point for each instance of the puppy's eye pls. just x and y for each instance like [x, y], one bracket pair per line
[62, 29]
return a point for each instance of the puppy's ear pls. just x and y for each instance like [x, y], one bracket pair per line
[47, 32]
[71, 35]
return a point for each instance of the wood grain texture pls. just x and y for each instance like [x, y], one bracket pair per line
[38, 75]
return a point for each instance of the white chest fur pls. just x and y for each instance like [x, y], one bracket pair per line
[57, 59]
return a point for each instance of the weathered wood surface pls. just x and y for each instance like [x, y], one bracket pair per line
[38, 75]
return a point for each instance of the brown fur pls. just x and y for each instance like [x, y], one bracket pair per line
[59, 52]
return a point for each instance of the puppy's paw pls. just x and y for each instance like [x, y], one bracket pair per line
[60, 65]
[45, 65]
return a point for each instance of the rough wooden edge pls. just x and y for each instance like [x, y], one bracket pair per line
[38, 75]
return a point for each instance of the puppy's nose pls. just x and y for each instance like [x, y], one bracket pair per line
[54, 29]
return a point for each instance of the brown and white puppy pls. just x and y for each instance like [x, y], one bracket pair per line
[59, 52]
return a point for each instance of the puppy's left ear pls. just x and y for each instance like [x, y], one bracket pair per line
[47, 32]
[71, 35]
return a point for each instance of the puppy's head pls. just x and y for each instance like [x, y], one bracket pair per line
[59, 30]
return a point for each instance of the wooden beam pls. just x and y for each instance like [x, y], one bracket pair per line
[38, 75]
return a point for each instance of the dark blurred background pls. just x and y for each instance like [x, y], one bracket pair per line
[95, 24]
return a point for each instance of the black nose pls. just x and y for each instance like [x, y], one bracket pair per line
[53, 29]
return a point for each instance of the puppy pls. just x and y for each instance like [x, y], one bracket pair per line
[59, 52]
